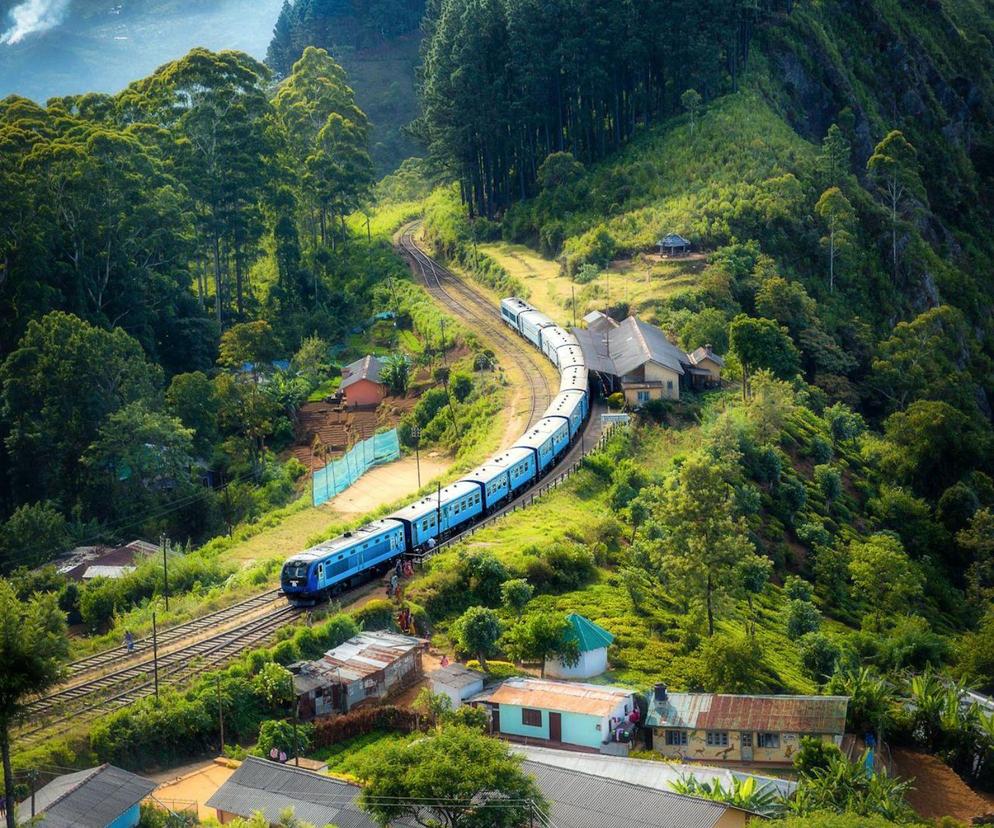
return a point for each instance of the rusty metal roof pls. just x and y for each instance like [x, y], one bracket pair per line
[365, 654]
[773, 714]
[568, 697]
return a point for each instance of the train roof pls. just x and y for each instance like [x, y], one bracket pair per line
[574, 378]
[541, 319]
[540, 432]
[484, 474]
[344, 541]
[427, 505]
[571, 357]
[508, 458]
[513, 303]
[561, 338]
[563, 403]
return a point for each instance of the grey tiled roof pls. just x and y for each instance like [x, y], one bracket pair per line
[260, 785]
[367, 368]
[632, 344]
[91, 798]
[579, 800]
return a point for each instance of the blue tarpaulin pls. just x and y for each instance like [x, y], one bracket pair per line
[339, 474]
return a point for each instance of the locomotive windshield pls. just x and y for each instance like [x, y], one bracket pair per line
[295, 570]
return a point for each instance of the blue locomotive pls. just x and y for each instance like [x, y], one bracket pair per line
[341, 563]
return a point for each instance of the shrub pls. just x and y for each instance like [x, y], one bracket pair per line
[497, 670]
[802, 617]
[515, 594]
[818, 656]
[797, 589]
[820, 450]
[829, 481]
[567, 566]
[285, 737]
[376, 615]
[728, 664]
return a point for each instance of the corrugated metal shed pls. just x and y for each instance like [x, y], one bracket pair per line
[92, 798]
[579, 800]
[456, 676]
[773, 714]
[366, 653]
[568, 697]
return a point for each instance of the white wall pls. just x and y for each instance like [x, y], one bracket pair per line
[455, 694]
[592, 663]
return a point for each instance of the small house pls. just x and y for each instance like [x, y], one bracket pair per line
[638, 360]
[457, 682]
[706, 366]
[361, 383]
[100, 797]
[588, 717]
[367, 667]
[674, 245]
[271, 787]
[713, 727]
[593, 643]
[599, 322]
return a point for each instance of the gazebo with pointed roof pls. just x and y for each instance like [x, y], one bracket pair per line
[594, 642]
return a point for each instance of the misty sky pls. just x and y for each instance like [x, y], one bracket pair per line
[62, 47]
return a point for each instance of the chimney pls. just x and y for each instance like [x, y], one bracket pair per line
[659, 692]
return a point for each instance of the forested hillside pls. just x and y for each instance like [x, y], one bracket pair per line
[152, 243]
[831, 163]
[377, 41]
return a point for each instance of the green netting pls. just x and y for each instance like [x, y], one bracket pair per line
[339, 474]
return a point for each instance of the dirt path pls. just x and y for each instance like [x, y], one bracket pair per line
[377, 487]
[937, 790]
[191, 783]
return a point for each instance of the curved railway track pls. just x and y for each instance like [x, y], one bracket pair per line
[114, 678]
[469, 305]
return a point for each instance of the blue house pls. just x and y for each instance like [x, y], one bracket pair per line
[101, 797]
[590, 717]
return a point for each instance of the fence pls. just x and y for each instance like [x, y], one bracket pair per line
[339, 474]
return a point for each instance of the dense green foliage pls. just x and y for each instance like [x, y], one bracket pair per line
[505, 84]
[377, 42]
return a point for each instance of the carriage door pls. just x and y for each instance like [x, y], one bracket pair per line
[320, 574]
[745, 743]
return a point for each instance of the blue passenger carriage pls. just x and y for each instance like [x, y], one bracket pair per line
[555, 339]
[337, 564]
[575, 379]
[570, 406]
[547, 439]
[531, 324]
[511, 308]
[570, 357]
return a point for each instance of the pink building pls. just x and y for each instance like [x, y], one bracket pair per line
[361, 383]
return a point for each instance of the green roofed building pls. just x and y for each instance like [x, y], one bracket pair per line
[593, 641]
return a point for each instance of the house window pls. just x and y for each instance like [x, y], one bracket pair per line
[768, 740]
[643, 396]
[676, 738]
[717, 738]
[747, 740]
[669, 385]
[532, 718]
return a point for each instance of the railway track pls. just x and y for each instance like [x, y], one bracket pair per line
[67, 708]
[466, 303]
[168, 636]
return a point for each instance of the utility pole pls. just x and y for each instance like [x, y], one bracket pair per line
[296, 744]
[572, 289]
[441, 343]
[32, 779]
[155, 656]
[220, 711]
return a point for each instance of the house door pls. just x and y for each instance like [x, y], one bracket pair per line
[745, 742]
[494, 719]
[555, 727]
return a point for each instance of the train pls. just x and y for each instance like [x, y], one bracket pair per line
[318, 573]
